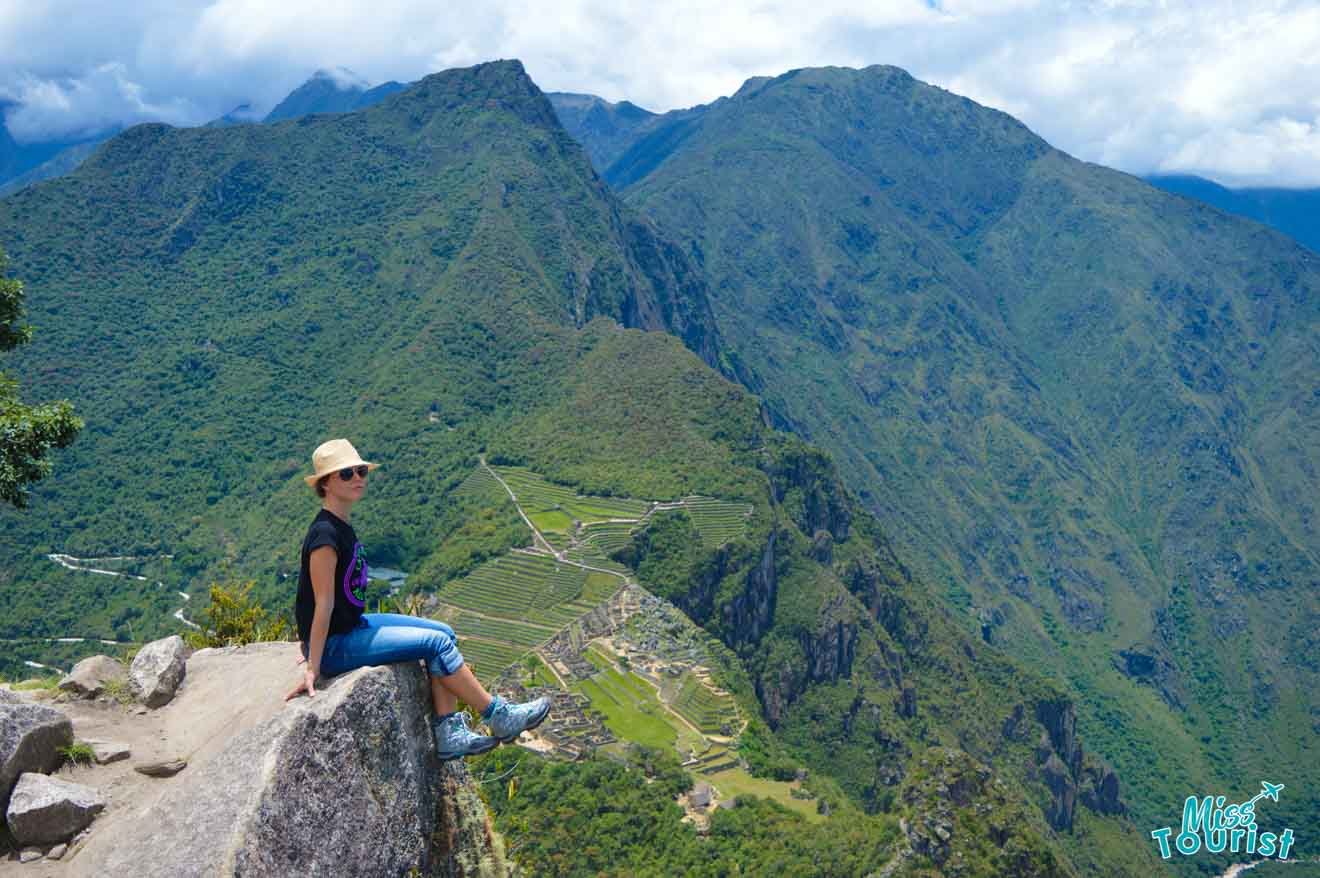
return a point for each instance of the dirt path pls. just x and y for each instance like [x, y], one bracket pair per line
[536, 534]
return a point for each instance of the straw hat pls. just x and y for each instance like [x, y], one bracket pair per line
[330, 457]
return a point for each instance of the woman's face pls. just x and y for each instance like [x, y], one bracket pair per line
[347, 491]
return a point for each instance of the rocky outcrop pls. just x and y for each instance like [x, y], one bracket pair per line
[346, 783]
[1066, 769]
[751, 613]
[1100, 788]
[90, 676]
[1153, 666]
[157, 670]
[805, 484]
[31, 736]
[667, 292]
[49, 810]
[1059, 812]
[951, 806]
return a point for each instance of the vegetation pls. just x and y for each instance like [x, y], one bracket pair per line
[700, 705]
[120, 691]
[29, 431]
[604, 817]
[233, 618]
[1081, 407]
[456, 276]
[78, 753]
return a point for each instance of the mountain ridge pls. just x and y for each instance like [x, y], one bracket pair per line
[443, 275]
[1072, 371]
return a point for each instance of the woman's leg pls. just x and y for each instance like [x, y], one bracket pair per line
[383, 638]
[445, 690]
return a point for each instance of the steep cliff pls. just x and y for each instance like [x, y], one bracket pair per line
[858, 669]
[345, 783]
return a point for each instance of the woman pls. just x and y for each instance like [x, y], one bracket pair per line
[337, 636]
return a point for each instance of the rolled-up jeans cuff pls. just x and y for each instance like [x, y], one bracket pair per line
[446, 663]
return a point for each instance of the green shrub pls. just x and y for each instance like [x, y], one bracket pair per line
[119, 690]
[79, 753]
[233, 618]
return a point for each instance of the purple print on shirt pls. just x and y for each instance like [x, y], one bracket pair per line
[355, 578]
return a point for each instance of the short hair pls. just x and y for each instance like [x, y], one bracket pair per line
[320, 486]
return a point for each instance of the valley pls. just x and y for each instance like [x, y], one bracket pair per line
[841, 441]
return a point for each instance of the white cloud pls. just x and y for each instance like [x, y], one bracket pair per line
[102, 98]
[1216, 87]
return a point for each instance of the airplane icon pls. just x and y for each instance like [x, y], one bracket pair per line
[1268, 791]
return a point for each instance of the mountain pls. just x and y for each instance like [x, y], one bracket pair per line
[338, 91]
[1083, 407]
[243, 114]
[24, 163]
[605, 129]
[58, 165]
[1294, 212]
[444, 278]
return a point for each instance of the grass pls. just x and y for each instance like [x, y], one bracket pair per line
[119, 690]
[718, 521]
[534, 491]
[632, 707]
[737, 782]
[515, 603]
[626, 717]
[79, 753]
[701, 706]
[552, 520]
[36, 683]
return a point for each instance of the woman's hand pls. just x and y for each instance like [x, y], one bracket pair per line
[307, 684]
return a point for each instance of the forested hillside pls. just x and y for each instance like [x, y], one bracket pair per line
[1084, 408]
[442, 277]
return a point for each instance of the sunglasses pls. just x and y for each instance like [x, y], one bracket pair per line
[347, 472]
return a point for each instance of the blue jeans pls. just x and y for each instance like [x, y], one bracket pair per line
[383, 638]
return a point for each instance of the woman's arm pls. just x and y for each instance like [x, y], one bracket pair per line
[321, 566]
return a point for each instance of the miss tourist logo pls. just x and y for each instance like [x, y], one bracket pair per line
[1207, 822]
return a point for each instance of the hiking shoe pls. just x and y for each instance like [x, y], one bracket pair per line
[453, 738]
[507, 721]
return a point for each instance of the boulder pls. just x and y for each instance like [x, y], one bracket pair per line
[9, 696]
[31, 736]
[346, 783]
[158, 670]
[48, 810]
[90, 676]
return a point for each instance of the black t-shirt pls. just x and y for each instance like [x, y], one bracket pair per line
[350, 589]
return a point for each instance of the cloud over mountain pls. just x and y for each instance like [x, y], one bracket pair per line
[1213, 88]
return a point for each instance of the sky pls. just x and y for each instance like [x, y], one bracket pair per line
[1224, 89]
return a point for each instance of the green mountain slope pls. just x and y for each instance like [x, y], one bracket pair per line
[441, 276]
[1295, 212]
[393, 273]
[1084, 407]
[604, 129]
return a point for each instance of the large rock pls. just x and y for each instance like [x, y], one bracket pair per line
[31, 736]
[346, 783]
[48, 810]
[158, 670]
[9, 696]
[90, 676]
